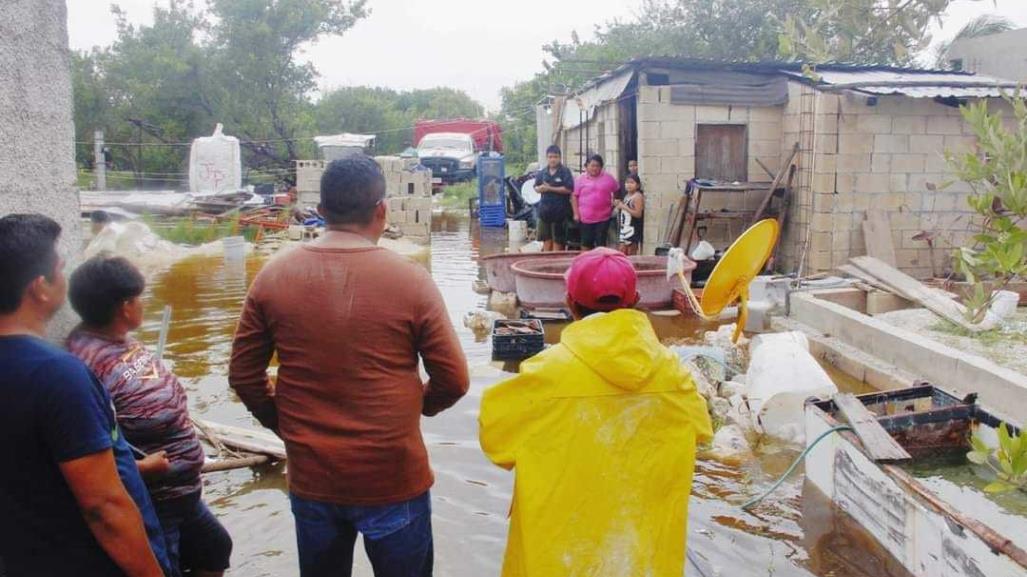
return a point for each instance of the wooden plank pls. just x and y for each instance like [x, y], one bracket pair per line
[675, 223]
[764, 167]
[777, 181]
[878, 444]
[236, 463]
[249, 440]
[721, 152]
[860, 275]
[877, 234]
[906, 286]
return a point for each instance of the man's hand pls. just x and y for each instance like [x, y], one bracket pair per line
[542, 188]
[154, 466]
[577, 217]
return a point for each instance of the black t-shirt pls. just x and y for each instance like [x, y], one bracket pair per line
[53, 410]
[554, 206]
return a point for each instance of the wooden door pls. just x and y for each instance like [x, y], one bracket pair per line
[721, 152]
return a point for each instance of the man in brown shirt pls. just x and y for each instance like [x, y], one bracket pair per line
[349, 322]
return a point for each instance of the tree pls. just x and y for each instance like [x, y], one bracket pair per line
[262, 90]
[390, 114]
[997, 175]
[144, 88]
[234, 61]
[860, 31]
[983, 25]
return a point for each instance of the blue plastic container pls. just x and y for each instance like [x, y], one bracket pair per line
[491, 192]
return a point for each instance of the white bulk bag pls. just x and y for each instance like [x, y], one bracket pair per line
[215, 163]
[782, 375]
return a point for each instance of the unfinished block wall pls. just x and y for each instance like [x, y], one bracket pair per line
[600, 137]
[666, 151]
[888, 156]
[409, 192]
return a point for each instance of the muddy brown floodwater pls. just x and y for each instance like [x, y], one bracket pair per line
[791, 533]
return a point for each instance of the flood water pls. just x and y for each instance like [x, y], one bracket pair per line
[789, 534]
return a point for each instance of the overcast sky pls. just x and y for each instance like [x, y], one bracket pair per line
[475, 45]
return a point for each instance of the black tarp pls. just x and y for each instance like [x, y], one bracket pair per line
[730, 88]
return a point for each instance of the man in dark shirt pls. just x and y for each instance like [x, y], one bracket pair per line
[555, 183]
[71, 499]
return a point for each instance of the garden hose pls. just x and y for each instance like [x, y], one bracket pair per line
[754, 501]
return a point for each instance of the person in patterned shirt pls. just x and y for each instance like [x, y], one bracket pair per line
[151, 408]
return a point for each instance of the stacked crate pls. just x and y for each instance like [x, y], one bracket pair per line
[408, 189]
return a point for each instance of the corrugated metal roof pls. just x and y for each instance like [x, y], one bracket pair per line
[881, 80]
[587, 101]
[911, 83]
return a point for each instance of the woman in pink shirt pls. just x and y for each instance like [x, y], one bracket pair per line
[592, 202]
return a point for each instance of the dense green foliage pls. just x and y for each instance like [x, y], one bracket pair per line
[234, 62]
[388, 113]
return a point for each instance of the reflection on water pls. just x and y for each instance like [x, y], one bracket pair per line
[471, 496]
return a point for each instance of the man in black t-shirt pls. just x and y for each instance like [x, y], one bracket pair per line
[71, 499]
[556, 184]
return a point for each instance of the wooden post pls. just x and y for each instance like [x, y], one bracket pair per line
[238, 463]
[99, 161]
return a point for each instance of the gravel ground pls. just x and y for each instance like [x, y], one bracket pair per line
[1006, 346]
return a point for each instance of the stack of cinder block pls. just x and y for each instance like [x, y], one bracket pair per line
[409, 190]
[308, 182]
[408, 187]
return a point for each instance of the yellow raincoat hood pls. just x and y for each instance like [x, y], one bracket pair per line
[602, 431]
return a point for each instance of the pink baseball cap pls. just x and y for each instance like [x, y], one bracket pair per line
[602, 279]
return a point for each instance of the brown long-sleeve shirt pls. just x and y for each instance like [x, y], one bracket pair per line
[349, 326]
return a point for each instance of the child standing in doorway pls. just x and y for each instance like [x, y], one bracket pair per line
[632, 209]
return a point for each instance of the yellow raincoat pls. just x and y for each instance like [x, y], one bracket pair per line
[602, 430]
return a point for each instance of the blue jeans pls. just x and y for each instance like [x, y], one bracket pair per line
[397, 538]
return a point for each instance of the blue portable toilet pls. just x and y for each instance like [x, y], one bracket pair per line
[491, 190]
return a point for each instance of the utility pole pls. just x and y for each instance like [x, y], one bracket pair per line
[99, 161]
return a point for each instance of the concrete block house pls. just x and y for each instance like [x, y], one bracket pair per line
[868, 137]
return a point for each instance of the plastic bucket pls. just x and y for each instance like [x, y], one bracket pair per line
[517, 230]
[235, 247]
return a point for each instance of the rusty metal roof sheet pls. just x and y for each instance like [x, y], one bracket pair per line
[912, 83]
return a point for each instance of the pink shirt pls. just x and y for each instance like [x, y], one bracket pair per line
[595, 196]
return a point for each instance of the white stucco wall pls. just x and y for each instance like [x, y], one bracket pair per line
[37, 155]
[1003, 55]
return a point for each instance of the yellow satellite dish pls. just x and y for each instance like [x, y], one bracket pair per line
[730, 279]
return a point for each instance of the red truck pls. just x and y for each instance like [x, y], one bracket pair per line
[450, 148]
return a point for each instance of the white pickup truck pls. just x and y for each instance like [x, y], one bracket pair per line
[451, 156]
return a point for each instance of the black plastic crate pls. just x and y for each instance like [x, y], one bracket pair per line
[515, 346]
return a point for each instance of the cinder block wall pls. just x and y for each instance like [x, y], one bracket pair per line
[666, 150]
[888, 156]
[790, 243]
[601, 138]
[409, 192]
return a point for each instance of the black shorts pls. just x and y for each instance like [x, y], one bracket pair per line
[554, 231]
[195, 539]
[594, 234]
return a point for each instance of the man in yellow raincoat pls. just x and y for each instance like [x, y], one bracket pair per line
[602, 430]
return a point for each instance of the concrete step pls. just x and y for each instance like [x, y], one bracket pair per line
[848, 359]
